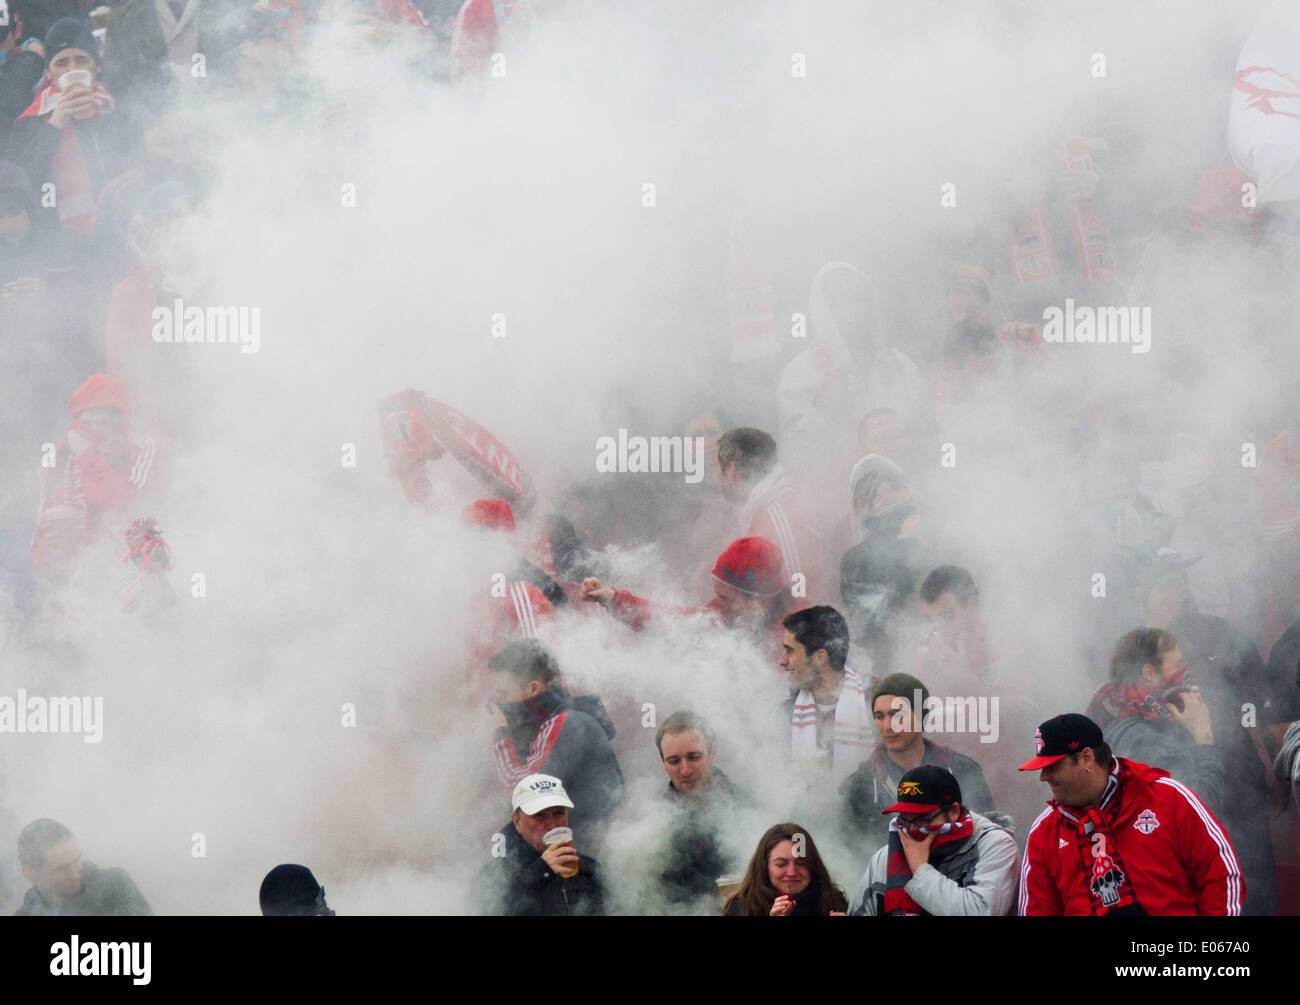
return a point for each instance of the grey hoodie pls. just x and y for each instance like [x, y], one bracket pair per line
[979, 879]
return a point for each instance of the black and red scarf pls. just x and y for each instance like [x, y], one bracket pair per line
[1115, 701]
[898, 904]
[1110, 888]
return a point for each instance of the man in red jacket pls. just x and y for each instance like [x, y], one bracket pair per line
[102, 477]
[753, 479]
[1119, 837]
[750, 594]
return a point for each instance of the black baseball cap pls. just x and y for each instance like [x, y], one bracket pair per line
[926, 789]
[1059, 737]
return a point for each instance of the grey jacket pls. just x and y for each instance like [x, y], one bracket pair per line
[980, 878]
[1165, 744]
[104, 893]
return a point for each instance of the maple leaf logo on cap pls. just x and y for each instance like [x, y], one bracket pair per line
[1073, 744]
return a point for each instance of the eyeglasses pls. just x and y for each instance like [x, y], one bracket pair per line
[918, 821]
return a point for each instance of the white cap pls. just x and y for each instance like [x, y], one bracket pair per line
[4, 14]
[539, 792]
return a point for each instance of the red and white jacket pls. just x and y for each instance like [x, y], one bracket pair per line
[1177, 855]
[501, 620]
[106, 486]
[772, 511]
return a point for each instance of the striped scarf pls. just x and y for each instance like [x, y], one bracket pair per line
[854, 728]
[898, 903]
[1110, 890]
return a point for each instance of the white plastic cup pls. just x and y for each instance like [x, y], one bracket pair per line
[559, 836]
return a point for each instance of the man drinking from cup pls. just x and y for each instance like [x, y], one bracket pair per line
[68, 136]
[534, 869]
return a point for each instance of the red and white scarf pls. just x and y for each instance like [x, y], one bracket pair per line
[76, 198]
[1110, 886]
[854, 728]
[898, 903]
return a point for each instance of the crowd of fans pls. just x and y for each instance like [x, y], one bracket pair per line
[818, 528]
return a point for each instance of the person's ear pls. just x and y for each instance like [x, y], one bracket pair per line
[29, 874]
[1150, 675]
[535, 687]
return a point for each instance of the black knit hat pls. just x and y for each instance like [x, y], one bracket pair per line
[69, 33]
[292, 891]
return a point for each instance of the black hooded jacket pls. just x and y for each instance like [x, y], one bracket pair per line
[567, 736]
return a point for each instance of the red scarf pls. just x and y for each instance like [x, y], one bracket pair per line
[1032, 249]
[1115, 701]
[898, 904]
[1110, 890]
[76, 197]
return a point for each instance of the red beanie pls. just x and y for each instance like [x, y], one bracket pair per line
[99, 391]
[751, 565]
[495, 514]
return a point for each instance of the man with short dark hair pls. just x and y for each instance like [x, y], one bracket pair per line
[66, 886]
[753, 478]
[1120, 837]
[1152, 712]
[68, 135]
[1149, 711]
[956, 657]
[529, 875]
[900, 723]
[826, 718]
[568, 736]
[1233, 680]
[941, 858]
[291, 891]
[703, 798]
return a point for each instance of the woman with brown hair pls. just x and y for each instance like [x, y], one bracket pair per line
[786, 876]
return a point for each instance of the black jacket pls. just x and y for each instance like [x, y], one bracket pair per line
[18, 77]
[696, 856]
[521, 884]
[107, 142]
[104, 893]
[1228, 669]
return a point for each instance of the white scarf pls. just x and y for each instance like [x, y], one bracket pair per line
[854, 729]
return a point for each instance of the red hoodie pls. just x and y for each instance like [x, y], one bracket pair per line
[1177, 854]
